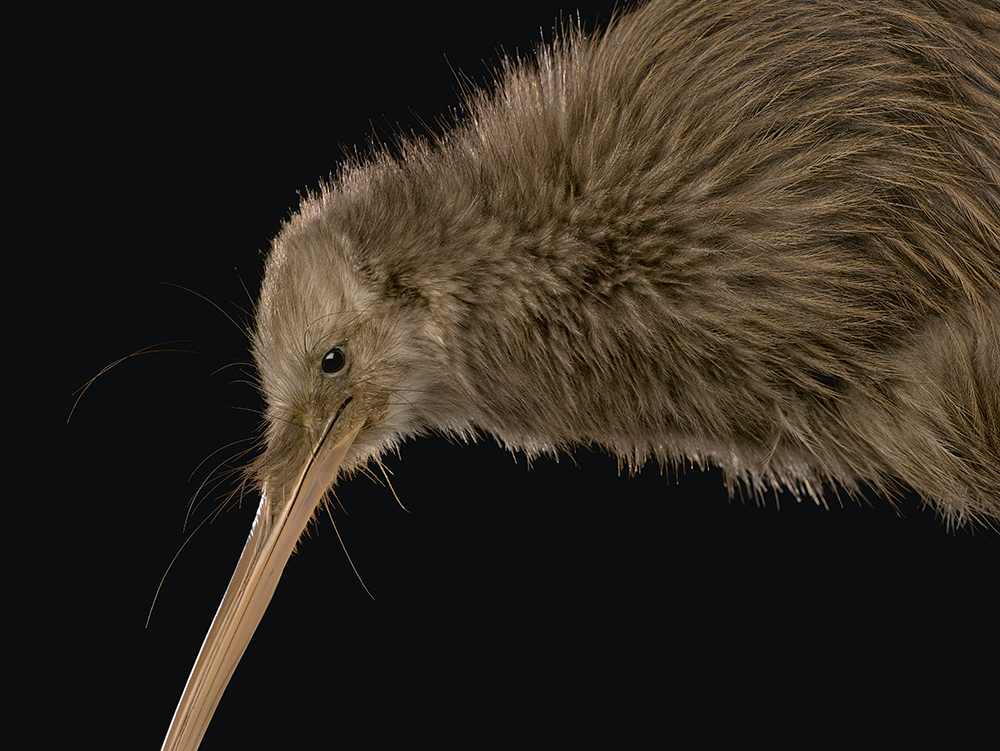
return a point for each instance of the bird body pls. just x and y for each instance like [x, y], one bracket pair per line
[763, 235]
[760, 235]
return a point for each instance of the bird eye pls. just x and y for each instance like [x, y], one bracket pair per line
[334, 360]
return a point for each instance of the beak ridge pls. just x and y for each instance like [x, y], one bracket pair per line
[272, 539]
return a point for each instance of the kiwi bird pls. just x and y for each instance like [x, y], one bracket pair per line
[759, 234]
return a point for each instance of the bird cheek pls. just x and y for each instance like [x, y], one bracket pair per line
[379, 413]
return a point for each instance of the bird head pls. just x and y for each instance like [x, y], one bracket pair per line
[348, 362]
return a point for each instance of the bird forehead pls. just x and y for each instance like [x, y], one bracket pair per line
[309, 284]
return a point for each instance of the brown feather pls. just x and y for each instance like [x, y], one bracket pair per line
[762, 235]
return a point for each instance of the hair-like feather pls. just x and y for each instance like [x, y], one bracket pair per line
[764, 235]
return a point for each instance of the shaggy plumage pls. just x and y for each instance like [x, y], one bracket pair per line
[763, 234]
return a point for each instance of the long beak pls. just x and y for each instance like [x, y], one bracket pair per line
[272, 539]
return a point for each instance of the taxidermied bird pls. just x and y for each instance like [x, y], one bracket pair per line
[763, 235]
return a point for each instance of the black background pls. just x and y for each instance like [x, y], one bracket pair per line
[550, 601]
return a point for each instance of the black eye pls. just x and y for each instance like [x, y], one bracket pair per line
[334, 360]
